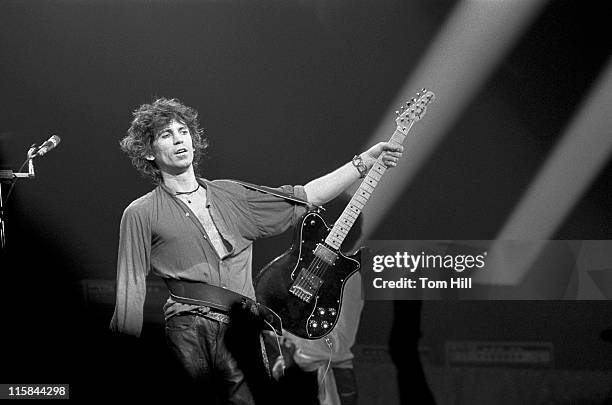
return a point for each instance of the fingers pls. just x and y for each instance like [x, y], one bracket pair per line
[391, 147]
[390, 159]
[390, 163]
[391, 153]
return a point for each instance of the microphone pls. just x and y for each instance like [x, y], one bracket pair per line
[48, 145]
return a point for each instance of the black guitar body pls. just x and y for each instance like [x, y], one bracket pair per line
[304, 285]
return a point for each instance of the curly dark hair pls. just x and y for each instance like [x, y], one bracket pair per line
[148, 120]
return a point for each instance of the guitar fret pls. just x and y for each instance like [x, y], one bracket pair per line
[310, 284]
[339, 233]
[352, 211]
[357, 203]
[355, 211]
[361, 200]
[371, 181]
[346, 214]
[335, 242]
[379, 168]
[346, 219]
[339, 228]
[355, 208]
[398, 137]
[351, 215]
[367, 187]
[338, 236]
[364, 194]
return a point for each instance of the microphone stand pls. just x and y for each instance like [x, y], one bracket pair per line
[10, 177]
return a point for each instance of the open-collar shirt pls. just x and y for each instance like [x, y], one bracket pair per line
[159, 233]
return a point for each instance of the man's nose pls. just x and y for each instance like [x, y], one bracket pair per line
[177, 138]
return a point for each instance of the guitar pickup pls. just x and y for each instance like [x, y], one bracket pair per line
[326, 254]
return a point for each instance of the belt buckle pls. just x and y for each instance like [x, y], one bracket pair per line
[217, 315]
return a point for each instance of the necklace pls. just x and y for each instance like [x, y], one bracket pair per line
[187, 193]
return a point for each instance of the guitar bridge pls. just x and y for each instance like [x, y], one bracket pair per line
[305, 285]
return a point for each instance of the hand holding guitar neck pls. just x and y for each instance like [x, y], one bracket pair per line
[389, 152]
[304, 285]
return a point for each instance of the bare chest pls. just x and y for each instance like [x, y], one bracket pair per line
[197, 203]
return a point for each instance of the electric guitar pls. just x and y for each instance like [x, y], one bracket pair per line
[304, 285]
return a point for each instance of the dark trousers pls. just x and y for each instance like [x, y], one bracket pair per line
[224, 363]
[203, 347]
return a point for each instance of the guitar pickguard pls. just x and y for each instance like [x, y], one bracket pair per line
[305, 284]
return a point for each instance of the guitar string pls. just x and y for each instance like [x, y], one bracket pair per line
[303, 281]
[319, 272]
[321, 265]
[312, 269]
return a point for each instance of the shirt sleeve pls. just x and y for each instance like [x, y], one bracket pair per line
[273, 215]
[133, 265]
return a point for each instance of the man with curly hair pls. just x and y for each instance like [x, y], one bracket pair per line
[197, 235]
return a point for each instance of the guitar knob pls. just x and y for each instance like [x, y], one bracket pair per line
[321, 311]
[312, 222]
[313, 323]
[325, 324]
[332, 311]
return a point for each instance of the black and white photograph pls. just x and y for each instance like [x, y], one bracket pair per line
[306, 202]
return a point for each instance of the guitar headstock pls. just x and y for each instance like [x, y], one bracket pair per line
[414, 109]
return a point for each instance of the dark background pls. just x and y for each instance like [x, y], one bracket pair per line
[286, 91]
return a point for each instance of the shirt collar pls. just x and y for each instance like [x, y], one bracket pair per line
[202, 182]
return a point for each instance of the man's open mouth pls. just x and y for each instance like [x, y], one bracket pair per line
[180, 151]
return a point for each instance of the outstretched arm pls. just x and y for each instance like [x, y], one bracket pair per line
[329, 186]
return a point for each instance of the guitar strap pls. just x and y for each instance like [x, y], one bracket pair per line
[221, 299]
[274, 192]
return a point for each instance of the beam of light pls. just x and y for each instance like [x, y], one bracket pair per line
[571, 167]
[472, 42]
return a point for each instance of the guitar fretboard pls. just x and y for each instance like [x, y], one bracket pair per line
[348, 217]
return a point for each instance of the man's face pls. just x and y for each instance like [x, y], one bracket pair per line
[173, 148]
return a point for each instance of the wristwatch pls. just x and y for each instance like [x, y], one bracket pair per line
[360, 166]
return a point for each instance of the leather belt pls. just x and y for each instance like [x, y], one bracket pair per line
[221, 299]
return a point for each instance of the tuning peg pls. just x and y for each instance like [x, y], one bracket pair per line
[397, 112]
[423, 90]
[402, 108]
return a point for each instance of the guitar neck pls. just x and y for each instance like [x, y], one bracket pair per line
[350, 214]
